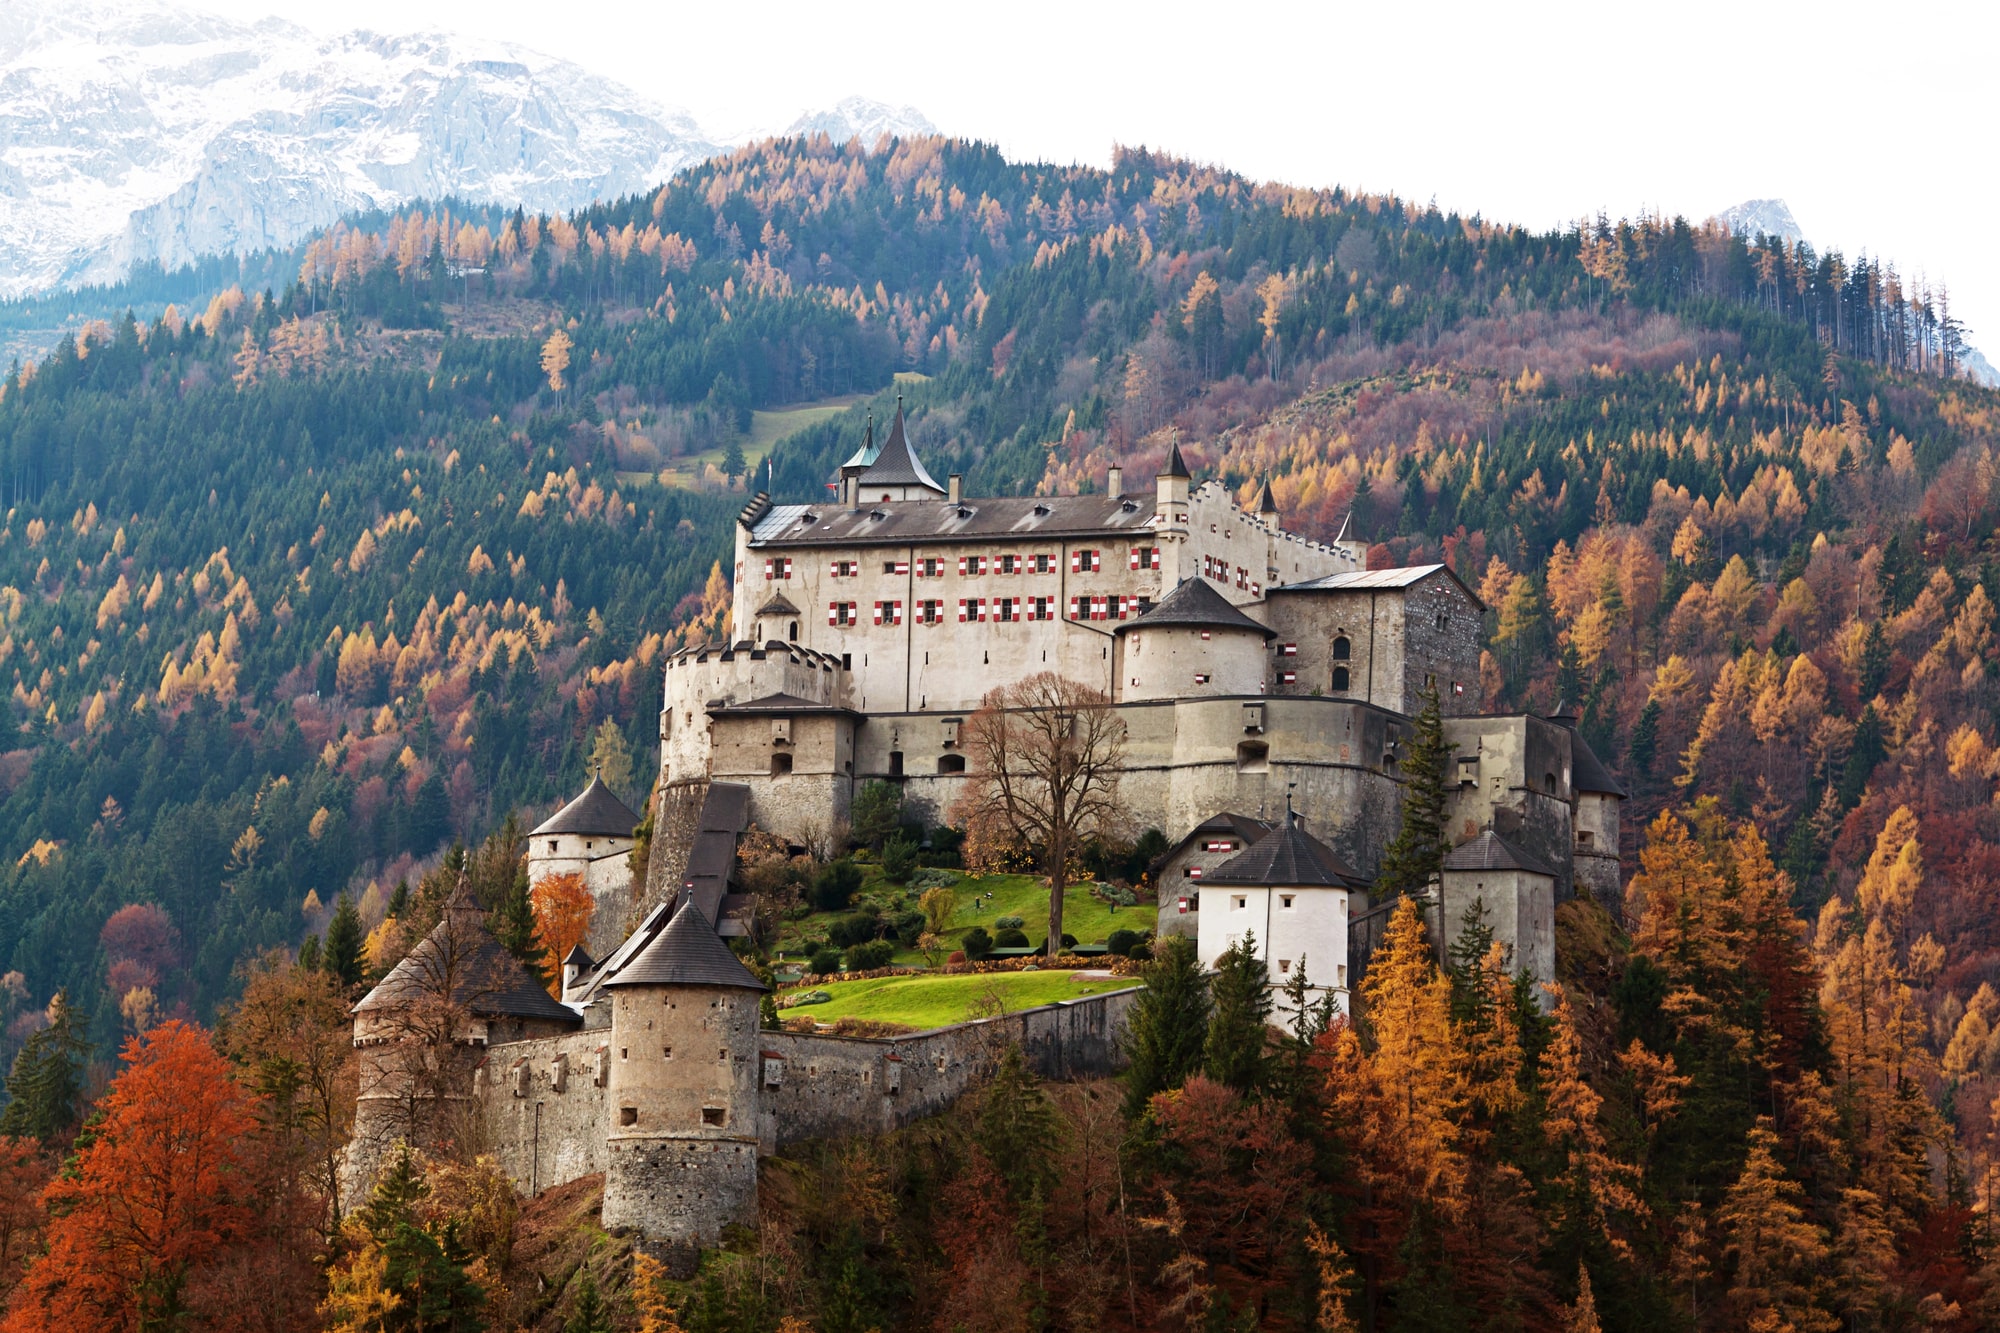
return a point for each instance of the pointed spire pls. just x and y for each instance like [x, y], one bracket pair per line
[1176, 465]
[896, 464]
[1345, 524]
[1264, 505]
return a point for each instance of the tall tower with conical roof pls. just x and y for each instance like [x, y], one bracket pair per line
[682, 1095]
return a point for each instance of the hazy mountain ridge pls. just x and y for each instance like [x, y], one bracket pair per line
[140, 132]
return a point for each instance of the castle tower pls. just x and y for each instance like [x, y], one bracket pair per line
[591, 838]
[1170, 518]
[682, 1102]
[1296, 899]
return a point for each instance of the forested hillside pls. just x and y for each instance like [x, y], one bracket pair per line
[303, 585]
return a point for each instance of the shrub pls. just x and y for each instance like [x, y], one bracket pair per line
[835, 885]
[1008, 923]
[908, 927]
[1141, 953]
[1068, 940]
[1013, 937]
[1118, 895]
[933, 878]
[856, 929]
[899, 858]
[1122, 941]
[977, 943]
[957, 955]
[824, 961]
[873, 954]
[946, 848]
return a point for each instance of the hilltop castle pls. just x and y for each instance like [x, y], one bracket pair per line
[1267, 685]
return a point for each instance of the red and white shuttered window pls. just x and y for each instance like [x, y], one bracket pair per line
[843, 613]
[1127, 607]
[972, 564]
[1006, 608]
[888, 613]
[1041, 608]
[930, 568]
[1256, 588]
[930, 611]
[1288, 650]
[1085, 562]
[1009, 564]
[844, 569]
[896, 567]
[1145, 557]
[1042, 564]
[1211, 568]
[1092, 608]
[971, 608]
[1218, 845]
[1288, 677]
[1242, 577]
[778, 567]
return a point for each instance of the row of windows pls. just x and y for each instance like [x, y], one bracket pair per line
[932, 610]
[1215, 567]
[779, 567]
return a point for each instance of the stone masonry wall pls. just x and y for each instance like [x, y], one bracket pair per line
[829, 1087]
[676, 819]
[559, 1079]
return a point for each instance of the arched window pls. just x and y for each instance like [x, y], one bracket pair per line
[781, 765]
[951, 763]
[1549, 783]
[1342, 650]
[1340, 679]
[1253, 757]
[795, 631]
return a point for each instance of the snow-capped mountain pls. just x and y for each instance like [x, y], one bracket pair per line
[135, 130]
[859, 118]
[1762, 217]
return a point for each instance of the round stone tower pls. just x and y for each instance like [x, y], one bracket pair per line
[682, 1100]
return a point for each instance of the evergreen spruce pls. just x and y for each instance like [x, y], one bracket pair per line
[1645, 742]
[47, 1078]
[1416, 856]
[309, 954]
[1869, 749]
[1168, 1025]
[1018, 1127]
[1234, 1054]
[342, 951]
[588, 1314]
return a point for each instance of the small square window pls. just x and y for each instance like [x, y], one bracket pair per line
[1284, 965]
[623, 1053]
[1284, 900]
[1237, 902]
[713, 1115]
[722, 1054]
[666, 1052]
[628, 1115]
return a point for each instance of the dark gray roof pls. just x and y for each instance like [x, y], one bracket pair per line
[1289, 855]
[1196, 604]
[687, 953]
[598, 811]
[897, 464]
[1369, 580]
[915, 522]
[777, 605]
[779, 703]
[461, 954]
[1586, 771]
[577, 957]
[1490, 851]
[1227, 823]
[1264, 503]
[1176, 465]
[725, 813]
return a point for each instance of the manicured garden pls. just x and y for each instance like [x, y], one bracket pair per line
[923, 1000]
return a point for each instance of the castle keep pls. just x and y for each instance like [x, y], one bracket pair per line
[1267, 685]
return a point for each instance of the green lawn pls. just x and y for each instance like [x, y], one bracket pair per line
[1089, 919]
[935, 1001]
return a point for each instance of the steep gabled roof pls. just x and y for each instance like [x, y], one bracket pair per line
[1287, 856]
[1490, 851]
[461, 955]
[1196, 604]
[897, 464]
[1586, 771]
[597, 812]
[1226, 824]
[687, 953]
[1176, 465]
[1265, 503]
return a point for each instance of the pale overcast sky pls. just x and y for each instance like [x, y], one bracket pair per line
[1874, 122]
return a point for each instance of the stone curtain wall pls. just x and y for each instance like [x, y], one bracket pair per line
[676, 819]
[829, 1087]
[520, 1076]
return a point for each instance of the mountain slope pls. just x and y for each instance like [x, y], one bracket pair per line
[139, 131]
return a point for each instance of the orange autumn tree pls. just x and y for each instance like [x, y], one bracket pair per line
[563, 907]
[144, 1226]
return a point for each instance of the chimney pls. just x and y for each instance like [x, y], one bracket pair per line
[952, 494]
[1114, 482]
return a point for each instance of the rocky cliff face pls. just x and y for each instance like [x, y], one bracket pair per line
[136, 131]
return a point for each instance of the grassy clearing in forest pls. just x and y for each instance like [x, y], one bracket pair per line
[936, 1001]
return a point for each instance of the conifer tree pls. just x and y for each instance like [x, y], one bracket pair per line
[342, 952]
[1775, 1246]
[1234, 1054]
[46, 1080]
[1168, 1027]
[1414, 859]
[1017, 1128]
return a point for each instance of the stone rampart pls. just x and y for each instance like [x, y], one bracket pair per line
[543, 1103]
[817, 1086]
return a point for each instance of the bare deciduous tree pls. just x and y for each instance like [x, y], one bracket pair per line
[1043, 758]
